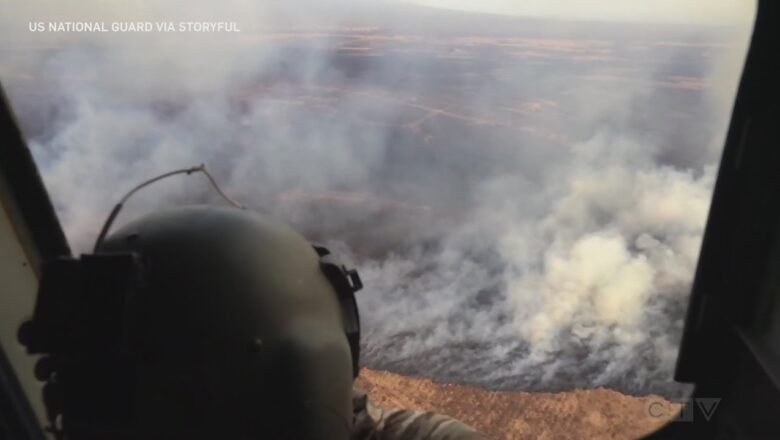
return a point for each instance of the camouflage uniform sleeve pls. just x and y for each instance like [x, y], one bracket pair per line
[374, 423]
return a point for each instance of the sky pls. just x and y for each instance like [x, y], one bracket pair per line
[676, 11]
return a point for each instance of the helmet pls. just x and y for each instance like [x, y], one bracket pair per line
[201, 322]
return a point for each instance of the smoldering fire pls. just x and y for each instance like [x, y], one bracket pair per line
[559, 174]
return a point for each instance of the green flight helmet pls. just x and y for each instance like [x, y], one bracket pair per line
[239, 329]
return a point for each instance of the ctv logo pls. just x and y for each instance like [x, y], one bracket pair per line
[683, 411]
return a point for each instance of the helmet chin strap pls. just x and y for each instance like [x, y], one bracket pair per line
[345, 282]
[114, 212]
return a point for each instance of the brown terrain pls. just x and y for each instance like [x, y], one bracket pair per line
[579, 414]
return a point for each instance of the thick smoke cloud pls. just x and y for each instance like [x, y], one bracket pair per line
[525, 199]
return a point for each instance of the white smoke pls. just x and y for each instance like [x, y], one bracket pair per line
[524, 199]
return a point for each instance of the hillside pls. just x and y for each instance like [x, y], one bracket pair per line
[578, 414]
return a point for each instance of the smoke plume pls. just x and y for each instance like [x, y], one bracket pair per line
[524, 198]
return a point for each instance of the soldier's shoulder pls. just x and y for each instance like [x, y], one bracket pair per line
[375, 423]
[424, 425]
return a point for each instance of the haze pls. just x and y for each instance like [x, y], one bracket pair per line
[525, 198]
